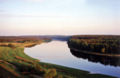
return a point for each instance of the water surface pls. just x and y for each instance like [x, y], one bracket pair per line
[57, 52]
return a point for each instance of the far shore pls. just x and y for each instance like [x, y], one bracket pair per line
[95, 53]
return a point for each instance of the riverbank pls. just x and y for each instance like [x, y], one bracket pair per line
[73, 73]
[95, 53]
[14, 63]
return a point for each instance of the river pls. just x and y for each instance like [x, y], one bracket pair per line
[57, 52]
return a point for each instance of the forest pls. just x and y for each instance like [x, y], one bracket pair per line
[104, 44]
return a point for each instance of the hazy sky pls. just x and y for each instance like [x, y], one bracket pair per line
[66, 17]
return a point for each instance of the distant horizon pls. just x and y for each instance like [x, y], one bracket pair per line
[64, 35]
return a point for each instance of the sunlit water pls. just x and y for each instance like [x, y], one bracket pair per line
[57, 52]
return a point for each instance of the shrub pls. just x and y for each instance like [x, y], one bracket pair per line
[103, 50]
[59, 76]
[11, 45]
[50, 73]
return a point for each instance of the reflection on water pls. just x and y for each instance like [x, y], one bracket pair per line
[57, 52]
[105, 60]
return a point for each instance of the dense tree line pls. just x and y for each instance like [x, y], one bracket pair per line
[99, 44]
[21, 39]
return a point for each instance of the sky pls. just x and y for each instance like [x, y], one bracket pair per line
[59, 17]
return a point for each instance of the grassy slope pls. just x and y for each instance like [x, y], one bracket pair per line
[14, 63]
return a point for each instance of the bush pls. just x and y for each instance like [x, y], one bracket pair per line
[11, 45]
[103, 50]
[50, 73]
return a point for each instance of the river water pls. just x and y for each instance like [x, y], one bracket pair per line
[57, 52]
